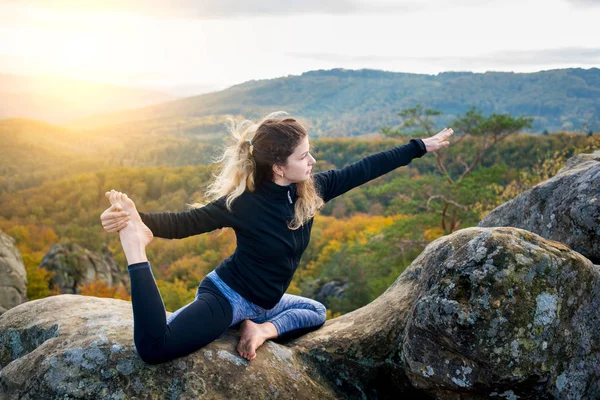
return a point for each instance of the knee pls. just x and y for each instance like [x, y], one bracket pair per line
[321, 311]
[149, 357]
[153, 360]
[149, 354]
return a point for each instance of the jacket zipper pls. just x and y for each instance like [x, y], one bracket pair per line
[293, 232]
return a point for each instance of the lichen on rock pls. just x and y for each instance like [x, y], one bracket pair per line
[564, 208]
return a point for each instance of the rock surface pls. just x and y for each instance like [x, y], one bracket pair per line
[80, 347]
[13, 277]
[74, 265]
[565, 208]
[481, 313]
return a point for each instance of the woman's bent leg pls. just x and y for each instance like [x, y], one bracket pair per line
[199, 323]
[294, 316]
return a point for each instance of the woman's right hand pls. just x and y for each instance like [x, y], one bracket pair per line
[114, 218]
[438, 141]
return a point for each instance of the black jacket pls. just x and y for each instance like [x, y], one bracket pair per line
[268, 252]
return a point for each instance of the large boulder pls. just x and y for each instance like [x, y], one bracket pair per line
[565, 208]
[74, 265]
[13, 278]
[481, 313]
[79, 347]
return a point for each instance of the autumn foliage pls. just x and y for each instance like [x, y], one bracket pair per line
[100, 288]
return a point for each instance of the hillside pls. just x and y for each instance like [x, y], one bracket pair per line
[340, 102]
[34, 152]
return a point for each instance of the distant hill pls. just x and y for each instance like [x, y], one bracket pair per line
[187, 90]
[33, 152]
[58, 100]
[343, 102]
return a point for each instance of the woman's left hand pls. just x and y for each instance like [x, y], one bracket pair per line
[438, 141]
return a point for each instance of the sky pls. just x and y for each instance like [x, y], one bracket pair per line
[219, 43]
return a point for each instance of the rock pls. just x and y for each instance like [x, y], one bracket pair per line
[481, 313]
[74, 265]
[13, 277]
[565, 208]
[72, 346]
[333, 289]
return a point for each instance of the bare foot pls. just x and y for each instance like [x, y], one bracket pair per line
[252, 336]
[135, 236]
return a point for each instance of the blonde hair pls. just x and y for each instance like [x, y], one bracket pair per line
[249, 157]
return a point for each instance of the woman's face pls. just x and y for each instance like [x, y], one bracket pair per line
[299, 165]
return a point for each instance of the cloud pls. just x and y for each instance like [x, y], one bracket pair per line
[584, 3]
[567, 55]
[229, 8]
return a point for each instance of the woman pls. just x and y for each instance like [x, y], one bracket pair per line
[267, 194]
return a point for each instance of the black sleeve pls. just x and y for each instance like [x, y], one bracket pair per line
[178, 225]
[335, 182]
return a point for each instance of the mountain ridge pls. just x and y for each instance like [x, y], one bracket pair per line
[342, 102]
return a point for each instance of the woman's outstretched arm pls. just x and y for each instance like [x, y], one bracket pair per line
[335, 182]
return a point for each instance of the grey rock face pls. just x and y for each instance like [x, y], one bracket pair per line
[504, 310]
[565, 208]
[74, 265]
[481, 313]
[13, 278]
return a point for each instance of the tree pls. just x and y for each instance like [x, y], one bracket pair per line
[99, 288]
[486, 132]
[38, 282]
[416, 121]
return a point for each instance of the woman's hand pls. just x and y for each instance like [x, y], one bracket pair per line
[114, 218]
[438, 141]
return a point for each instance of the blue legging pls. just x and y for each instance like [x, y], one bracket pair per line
[289, 314]
[215, 308]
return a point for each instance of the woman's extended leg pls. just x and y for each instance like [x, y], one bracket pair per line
[292, 316]
[201, 322]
